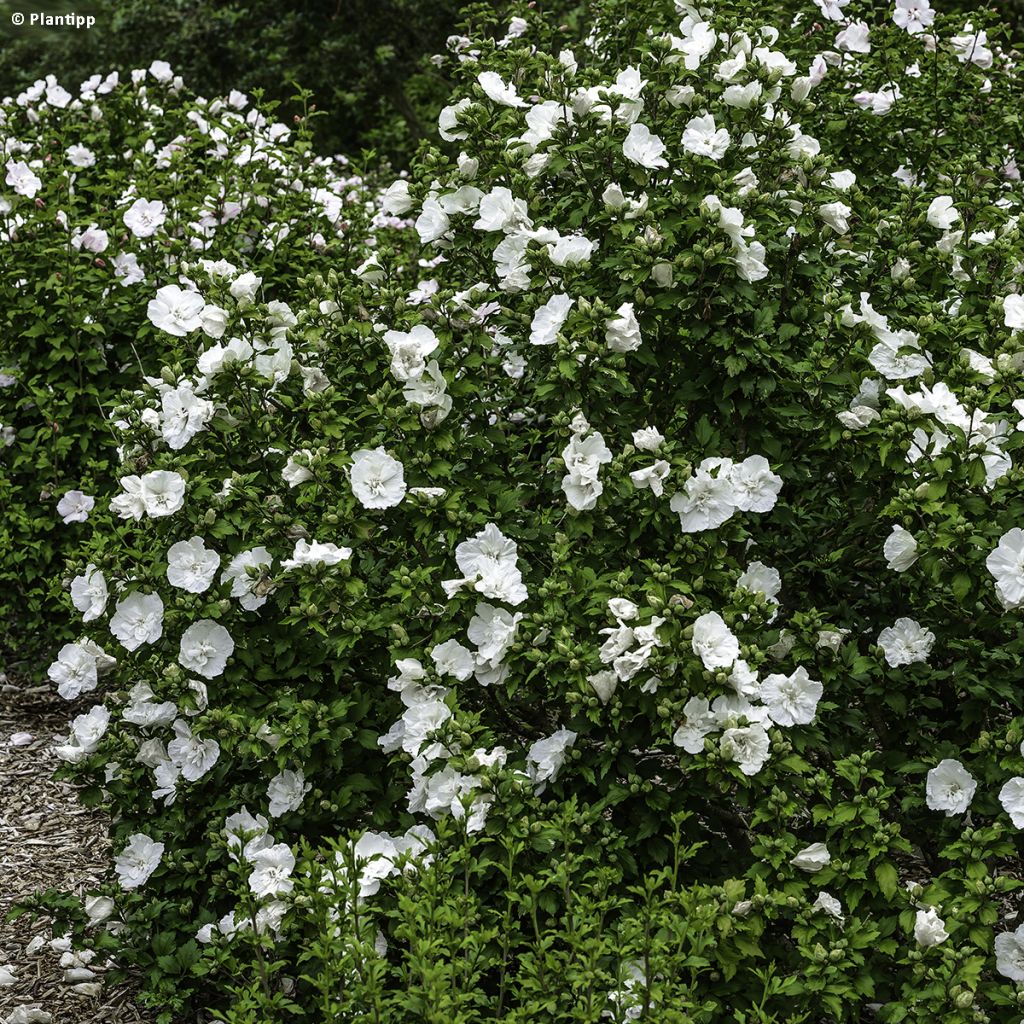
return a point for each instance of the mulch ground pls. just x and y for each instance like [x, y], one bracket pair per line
[47, 839]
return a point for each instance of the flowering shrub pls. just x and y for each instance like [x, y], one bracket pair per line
[108, 194]
[654, 468]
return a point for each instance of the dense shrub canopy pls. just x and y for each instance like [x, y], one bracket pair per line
[121, 185]
[607, 569]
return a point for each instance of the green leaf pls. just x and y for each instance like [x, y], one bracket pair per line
[887, 878]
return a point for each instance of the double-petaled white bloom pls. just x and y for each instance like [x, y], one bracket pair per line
[707, 499]
[622, 609]
[488, 562]
[56, 94]
[900, 549]
[499, 91]
[247, 834]
[430, 393]
[396, 199]
[448, 121]
[755, 487]
[75, 671]
[22, 178]
[702, 137]
[183, 415]
[377, 855]
[604, 684]
[929, 928]
[571, 250]
[175, 311]
[812, 858]
[1006, 564]
[1011, 797]
[492, 631]
[828, 904]
[160, 493]
[913, 16]
[215, 358]
[425, 713]
[75, 506]
[98, 909]
[546, 756]
[759, 578]
[192, 756]
[628, 649]
[696, 40]
[942, 214]
[144, 711]
[548, 320]
[138, 860]
[314, 553]
[441, 793]
[622, 332]
[698, 722]
[748, 745]
[409, 350]
[627, 89]
[970, 47]
[648, 439]
[297, 472]
[832, 9]
[248, 574]
[138, 619]
[162, 71]
[653, 477]
[949, 787]
[452, 659]
[906, 642]
[433, 222]
[644, 148]
[214, 321]
[245, 287]
[836, 216]
[713, 642]
[286, 792]
[1013, 312]
[792, 699]
[855, 38]
[1009, 947]
[842, 180]
[500, 210]
[145, 217]
[86, 732]
[631, 206]
[583, 458]
[191, 565]
[749, 260]
[742, 96]
[205, 648]
[272, 871]
[89, 593]
[378, 480]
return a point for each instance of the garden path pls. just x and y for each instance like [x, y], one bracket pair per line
[47, 839]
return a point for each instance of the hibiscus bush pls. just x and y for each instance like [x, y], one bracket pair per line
[107, 192]
[599, 597]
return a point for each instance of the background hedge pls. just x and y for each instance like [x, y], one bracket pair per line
[366, 61]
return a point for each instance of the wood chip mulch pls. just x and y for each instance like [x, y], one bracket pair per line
[48, 839]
